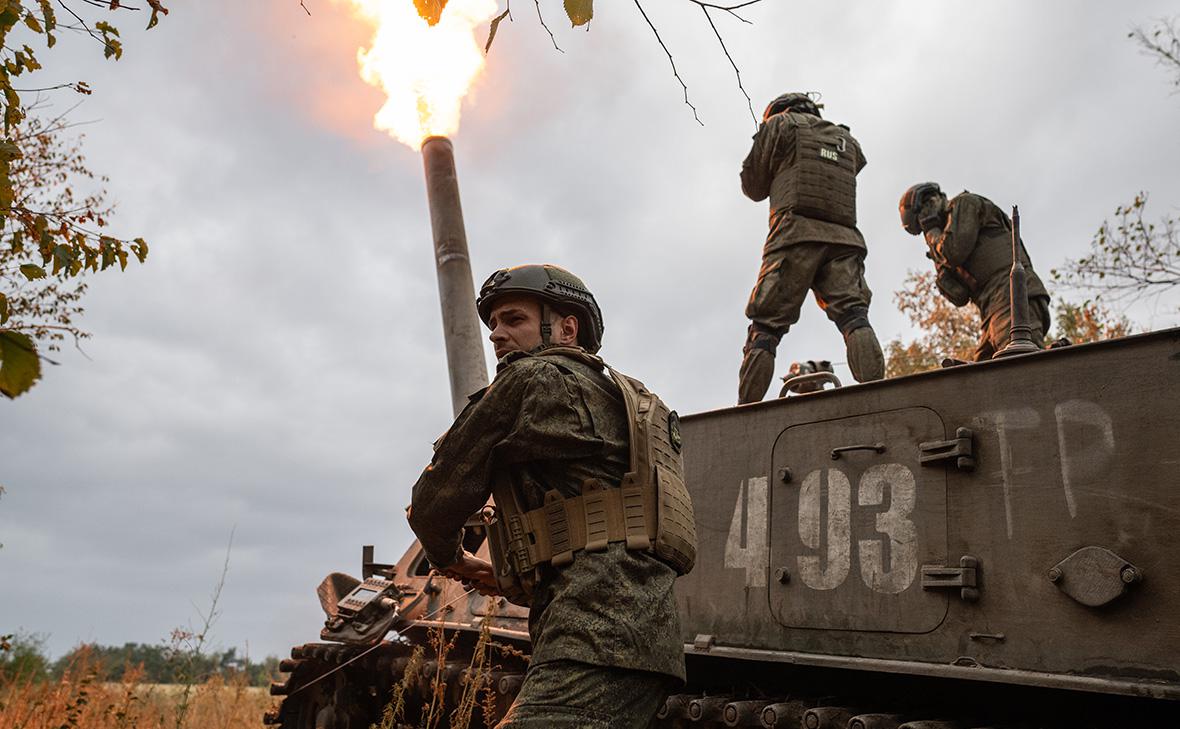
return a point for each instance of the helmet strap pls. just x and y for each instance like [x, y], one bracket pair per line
[546, 325]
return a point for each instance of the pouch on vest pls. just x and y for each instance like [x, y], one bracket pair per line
[649, 511]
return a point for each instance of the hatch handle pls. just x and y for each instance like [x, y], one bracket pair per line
[875, 447]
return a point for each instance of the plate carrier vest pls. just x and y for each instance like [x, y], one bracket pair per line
[820, 182]
[649, 511]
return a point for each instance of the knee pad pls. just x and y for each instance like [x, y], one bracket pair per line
[758, 338]
[855, 318]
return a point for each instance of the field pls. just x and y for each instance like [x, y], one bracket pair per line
[81, 699]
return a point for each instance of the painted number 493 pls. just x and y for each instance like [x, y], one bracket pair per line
[830, 562]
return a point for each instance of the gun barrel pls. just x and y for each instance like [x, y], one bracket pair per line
[456, 291]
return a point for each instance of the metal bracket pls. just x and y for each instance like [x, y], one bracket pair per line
[960, 450]
[703, 642]
[962, 578]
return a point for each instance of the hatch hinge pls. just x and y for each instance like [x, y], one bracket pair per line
[703, 643]
[959, 450]
[963, 578]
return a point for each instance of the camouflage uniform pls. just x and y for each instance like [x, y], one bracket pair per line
[801, 253]
[975, 247]
[605, 629]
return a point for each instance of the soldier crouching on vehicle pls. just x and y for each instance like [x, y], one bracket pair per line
[969, 239]
[807, 167]
[593, 522]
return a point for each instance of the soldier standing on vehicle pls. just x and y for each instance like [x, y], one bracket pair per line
[807, 167]
[969, 239]
[583, 463]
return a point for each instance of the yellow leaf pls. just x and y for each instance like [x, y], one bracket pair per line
[579, 11]
[20, 366]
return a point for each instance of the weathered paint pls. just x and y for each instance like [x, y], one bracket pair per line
[1073, 447]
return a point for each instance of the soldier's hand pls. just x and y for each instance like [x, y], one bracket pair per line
[473, 572]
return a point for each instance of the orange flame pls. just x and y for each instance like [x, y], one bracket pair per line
[425, 70]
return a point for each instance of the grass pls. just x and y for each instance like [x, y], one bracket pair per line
[82, 699]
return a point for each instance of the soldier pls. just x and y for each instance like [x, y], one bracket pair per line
[807, 167]
[570, 450]
[970, 241]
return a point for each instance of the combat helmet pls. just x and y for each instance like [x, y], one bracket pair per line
[794, 101]
[553, 285]
[911, 203]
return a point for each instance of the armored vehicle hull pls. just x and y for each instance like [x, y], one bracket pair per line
[985, 545]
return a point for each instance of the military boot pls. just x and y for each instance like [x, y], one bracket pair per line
[755, 376]
[864, 354]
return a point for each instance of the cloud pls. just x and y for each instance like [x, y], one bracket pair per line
[277, 366]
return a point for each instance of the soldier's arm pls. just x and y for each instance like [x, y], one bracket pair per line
[458, 480]
[962, 231]
[757, 169]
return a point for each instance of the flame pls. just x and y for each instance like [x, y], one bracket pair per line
[424, 70]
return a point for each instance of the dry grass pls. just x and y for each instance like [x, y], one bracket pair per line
[82, 700]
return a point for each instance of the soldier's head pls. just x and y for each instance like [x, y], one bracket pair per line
[794, 101]
[924, 201]
[534, 306]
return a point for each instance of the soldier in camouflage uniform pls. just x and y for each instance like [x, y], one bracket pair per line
[807, 167]
[969, 239]
[606, 644]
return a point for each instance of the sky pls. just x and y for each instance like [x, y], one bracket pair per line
[275, 371]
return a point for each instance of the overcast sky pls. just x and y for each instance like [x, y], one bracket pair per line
[276, 368]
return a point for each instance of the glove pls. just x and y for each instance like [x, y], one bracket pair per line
[952, 287]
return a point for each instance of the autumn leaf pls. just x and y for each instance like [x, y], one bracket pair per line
[20, 366]
[140, 248]
[3, 308]
[492, 29]
[32, 271]
[579, 11]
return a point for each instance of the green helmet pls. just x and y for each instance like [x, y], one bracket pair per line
[794, 101]
[553, 285]
[911, 203]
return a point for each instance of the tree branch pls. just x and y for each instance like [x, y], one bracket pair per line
[728, 8]
[736, 70]
[669, 54]
[546, 27]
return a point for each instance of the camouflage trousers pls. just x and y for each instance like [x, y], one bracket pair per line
[996, 329]
[575, 695]
[834, 272]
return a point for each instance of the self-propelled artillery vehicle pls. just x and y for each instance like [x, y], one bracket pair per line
[989, 545]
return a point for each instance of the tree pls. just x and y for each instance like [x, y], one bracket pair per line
[1161, 42]
[22, 658]
[1089, 322]
[45, 223]
[1129, 258]
[947, 330]
[950, 331]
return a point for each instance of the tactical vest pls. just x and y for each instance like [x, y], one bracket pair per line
[649, 511]
[819, 179]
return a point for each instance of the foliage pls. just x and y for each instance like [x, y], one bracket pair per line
[950, 331]
[1129, 258]
[22, 658]
[165, 664]
[947, 330]
[50, 233]
[1162, 42]
[1089, 322]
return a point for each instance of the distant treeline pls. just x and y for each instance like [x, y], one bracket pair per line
[22, 657]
